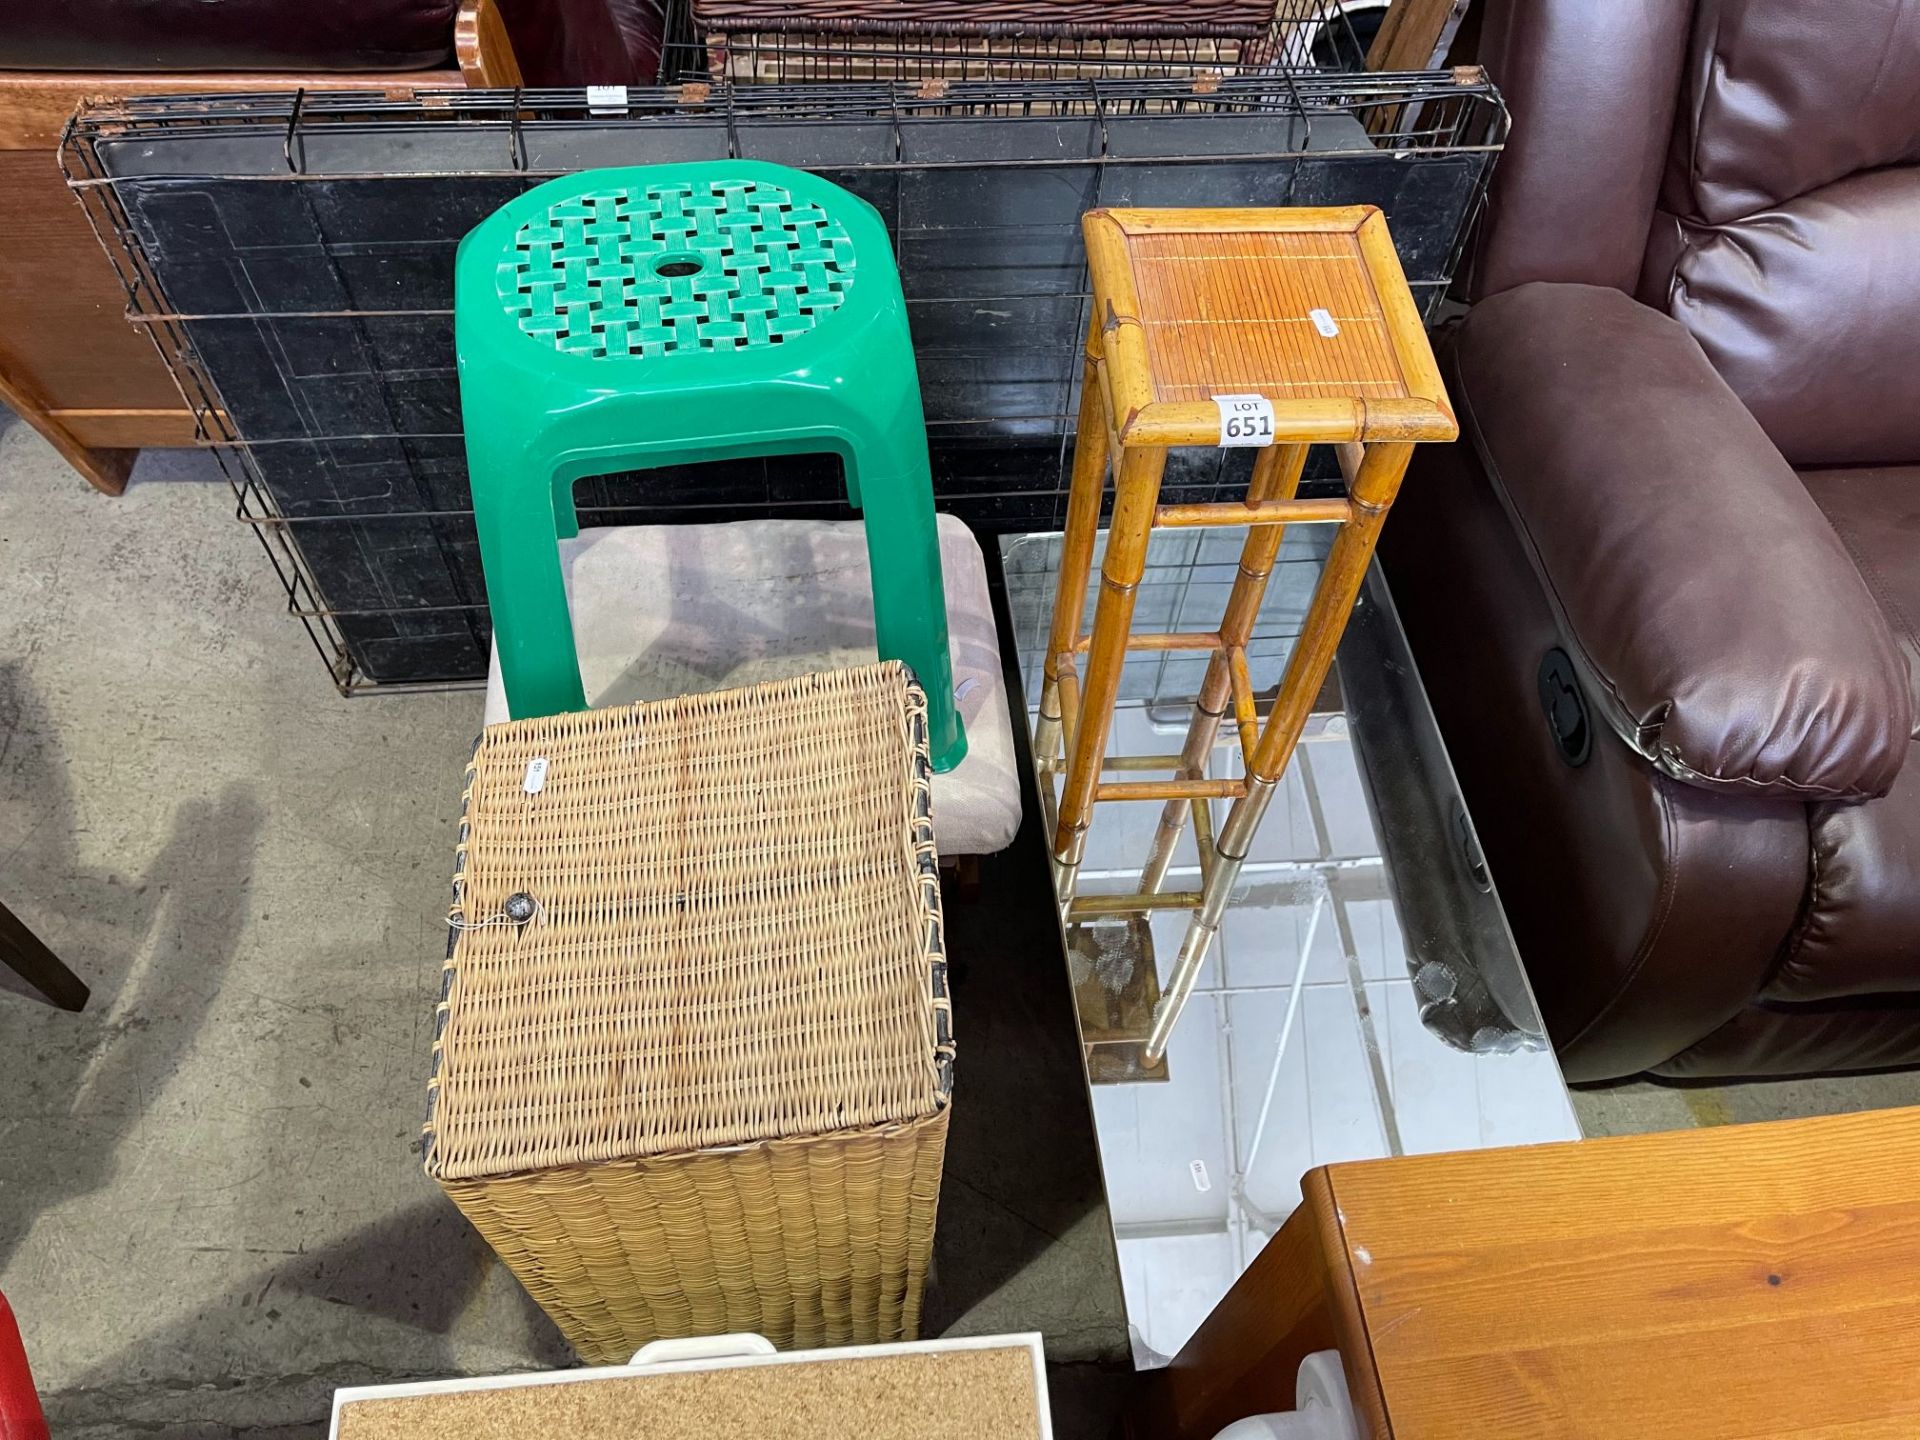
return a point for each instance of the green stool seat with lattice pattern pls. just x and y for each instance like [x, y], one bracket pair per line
[658, 315]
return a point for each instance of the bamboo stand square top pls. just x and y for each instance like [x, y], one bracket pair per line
[1307, 309]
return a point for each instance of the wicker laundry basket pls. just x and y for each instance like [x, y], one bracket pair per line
[703, 1086]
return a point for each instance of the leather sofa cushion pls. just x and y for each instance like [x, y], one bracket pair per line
[1721, 627]
[641, 25]
[1784, 96]
[226, 34]
[586, 42]
[1809, 311]
[1563, 207]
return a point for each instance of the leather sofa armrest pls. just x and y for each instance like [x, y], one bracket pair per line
[1717, 622]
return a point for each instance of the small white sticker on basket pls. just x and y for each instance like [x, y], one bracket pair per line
[1324, 323]
[1245, 419]
[606, 99]
[536, 775]
[1201, 1180]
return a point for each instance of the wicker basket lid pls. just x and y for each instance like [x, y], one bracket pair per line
[735, 936]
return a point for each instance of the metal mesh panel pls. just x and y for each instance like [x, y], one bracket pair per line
[291, 255]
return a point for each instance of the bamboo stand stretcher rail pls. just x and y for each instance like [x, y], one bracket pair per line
[1278, 328]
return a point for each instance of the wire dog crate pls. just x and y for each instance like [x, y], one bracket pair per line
[291, 256]
[766, 41]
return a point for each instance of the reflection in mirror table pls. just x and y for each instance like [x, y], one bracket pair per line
[1364, 997]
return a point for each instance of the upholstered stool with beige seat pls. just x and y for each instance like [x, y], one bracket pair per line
[666, 610]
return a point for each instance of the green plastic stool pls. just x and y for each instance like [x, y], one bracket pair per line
[623, 319]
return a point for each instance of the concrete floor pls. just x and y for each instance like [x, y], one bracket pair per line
[211, 1211]
[211, 1206]
[1641, 1106]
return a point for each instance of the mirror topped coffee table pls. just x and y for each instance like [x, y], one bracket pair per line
[1364, 997]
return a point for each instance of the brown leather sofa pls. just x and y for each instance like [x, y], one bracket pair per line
[1664, 592]
[70, 364]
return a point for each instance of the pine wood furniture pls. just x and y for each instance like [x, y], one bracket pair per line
[1276, 328]
[1754, 1281]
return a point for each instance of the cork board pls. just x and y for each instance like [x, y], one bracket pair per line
[945, 1395]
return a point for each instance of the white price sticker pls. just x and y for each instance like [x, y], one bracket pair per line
[606, 99]
[536, 775]
[1324, 323]
[1202, 1181]
[1245, 419]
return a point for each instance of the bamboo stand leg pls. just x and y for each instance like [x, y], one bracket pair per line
[1374, 487]
[1276, 476]
[1135, 494]
[1076, 554]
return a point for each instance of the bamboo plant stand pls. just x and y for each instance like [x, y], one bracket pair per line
[1278, 329]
